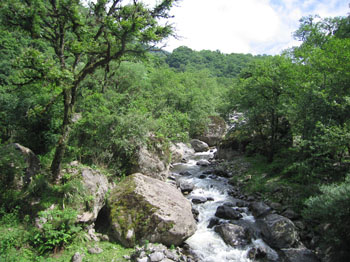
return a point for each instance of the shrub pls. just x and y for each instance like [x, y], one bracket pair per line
[57, 231]
[332, 207]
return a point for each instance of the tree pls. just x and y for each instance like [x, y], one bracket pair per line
[264, 90]
[83, 39]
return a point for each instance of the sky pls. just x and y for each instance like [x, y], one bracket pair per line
[245, 26]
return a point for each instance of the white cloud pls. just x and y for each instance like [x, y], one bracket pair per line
[245, 26]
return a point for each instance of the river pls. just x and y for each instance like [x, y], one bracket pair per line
[206, 244]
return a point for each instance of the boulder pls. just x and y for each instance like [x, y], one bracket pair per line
[185, 187]
[215, 131]
[299, 255]
[96, 185]
[233, 235]
[199, 146]
[180, 152]
[32, 165]
[278, 231]
[259, 209]
[199, 200]
[227, 212]
[153, 161]
[203, 162]
[144, 208]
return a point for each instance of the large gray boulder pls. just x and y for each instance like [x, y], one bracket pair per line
[215, 131]
[233, 235]
[153, 163]
[180, 151]
[278, 231]
[143, 208]
[96, 185]
[199, 146]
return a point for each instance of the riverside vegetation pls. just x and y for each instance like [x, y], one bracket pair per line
[86, 82]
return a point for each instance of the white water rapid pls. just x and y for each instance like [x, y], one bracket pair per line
[206, 244]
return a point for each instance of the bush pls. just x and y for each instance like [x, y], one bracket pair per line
[332, 207]
[57, 231]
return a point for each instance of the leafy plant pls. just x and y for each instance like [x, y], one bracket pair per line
[57, 231]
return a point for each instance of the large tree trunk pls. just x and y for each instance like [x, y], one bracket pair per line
[62, 143]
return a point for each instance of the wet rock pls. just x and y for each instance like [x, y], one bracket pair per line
[186, 173]
[207, 172]
[233, 235]
[202, 176]
[299, 255]
[214, 221]
[195, 213]
[203, 163]
[259, 209]
[227, 212]
[199, 146]
[278, 231]
[256, 253]
[210, 199]
[199, 200]
[221, 172]
[186, 187]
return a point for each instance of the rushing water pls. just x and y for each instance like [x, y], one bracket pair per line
[206, 243]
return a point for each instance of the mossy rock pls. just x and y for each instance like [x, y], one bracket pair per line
[146, 209]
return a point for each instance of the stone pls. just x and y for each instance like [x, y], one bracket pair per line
[77, 257]
[186, 187]
[203, 163]
[149, 209]
[233, 235]
[32, 165]
[97, 186]
[199, 200]
[215, 131]
[95, 250]
[256, 253]
[153, 163]
[299, 255]
[202, 176]
[259, 209]
[276, 206]
[214, 221]
[227, 212]
[186, 173]
[278, 231]
[180, 152]
[199, 146]
[156, 256]
[143, 259]
[289, 213]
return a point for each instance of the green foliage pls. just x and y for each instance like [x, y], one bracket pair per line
[57, 231]
[332, 206]
[12, 178]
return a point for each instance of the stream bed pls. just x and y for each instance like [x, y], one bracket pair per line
[206, 244]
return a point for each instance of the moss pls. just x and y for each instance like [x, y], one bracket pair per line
[131, 211]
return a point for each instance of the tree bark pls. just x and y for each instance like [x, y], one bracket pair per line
[62, 143]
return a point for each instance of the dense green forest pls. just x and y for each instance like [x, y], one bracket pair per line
[84, 83]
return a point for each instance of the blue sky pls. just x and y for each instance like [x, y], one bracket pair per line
[245, 26]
